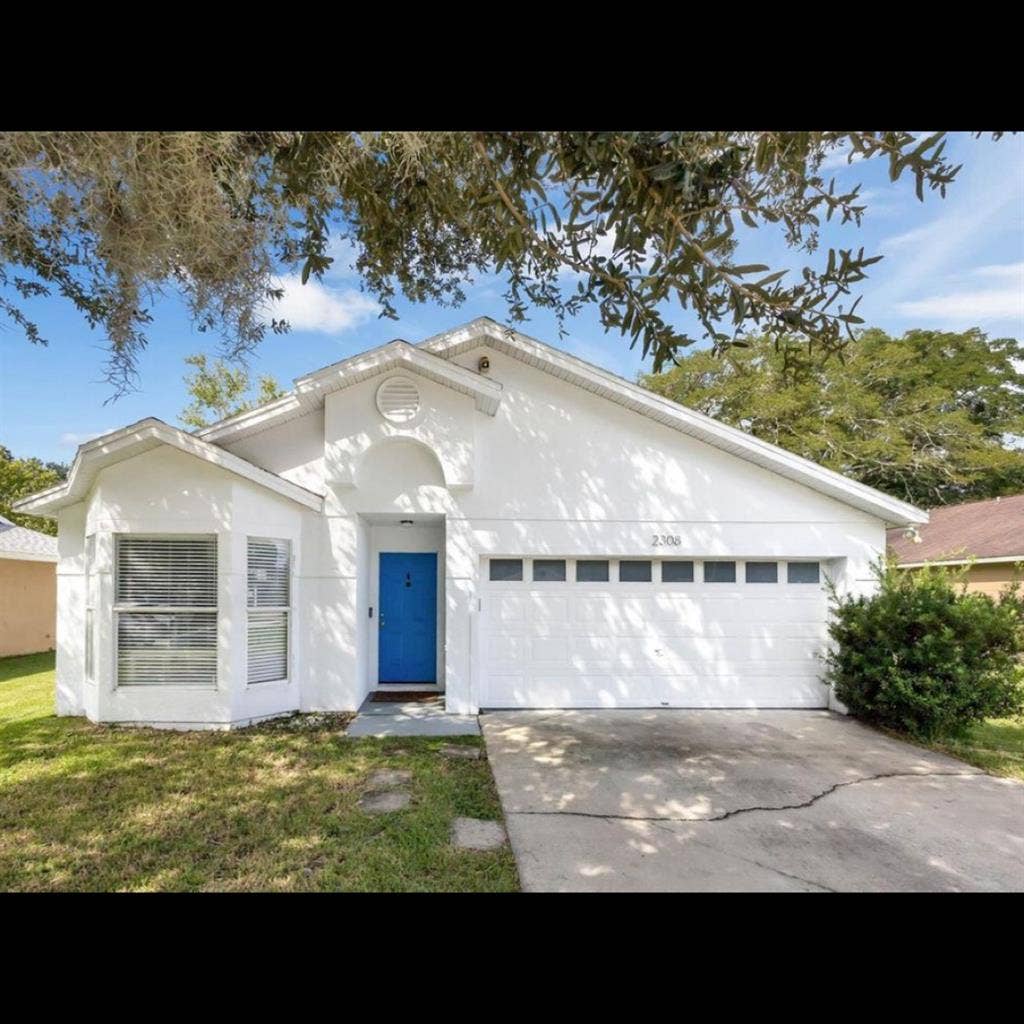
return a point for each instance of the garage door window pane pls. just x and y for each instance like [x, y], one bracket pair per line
[591, 571]
[506, 570]
[677, 572]
[634, 572]
[803, 572]
[548, 570]
[762, 572]
[719, 572]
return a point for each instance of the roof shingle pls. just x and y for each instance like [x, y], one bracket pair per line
[975, 529]
[20, 542]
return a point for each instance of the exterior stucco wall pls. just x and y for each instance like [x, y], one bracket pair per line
[168, 492]
[28, 606]
[556, 472]
[991, 578]
[994, 578]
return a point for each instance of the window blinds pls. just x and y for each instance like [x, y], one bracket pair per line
[166, 604]
[268, 599]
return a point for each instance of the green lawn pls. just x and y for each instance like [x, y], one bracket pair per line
[997, 746]
[85, 807]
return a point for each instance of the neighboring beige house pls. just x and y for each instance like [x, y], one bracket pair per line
[987, 534]
[28, 590]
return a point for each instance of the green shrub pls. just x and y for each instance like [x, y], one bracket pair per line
[924, 656]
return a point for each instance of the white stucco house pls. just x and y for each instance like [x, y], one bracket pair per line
[480, 513]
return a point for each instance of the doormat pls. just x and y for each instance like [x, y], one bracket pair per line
[403, 696]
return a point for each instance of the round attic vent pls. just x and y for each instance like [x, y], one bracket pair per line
[398, 399]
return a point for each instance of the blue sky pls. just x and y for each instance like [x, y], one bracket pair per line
[949, 264]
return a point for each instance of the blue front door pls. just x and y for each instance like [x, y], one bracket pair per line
[408, 618]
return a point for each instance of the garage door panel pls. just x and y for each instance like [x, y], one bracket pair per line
[568, 644]
[508, 607]
[682, 691]
[501, 649]
[548, 649]
[549, 608]
[614, 612]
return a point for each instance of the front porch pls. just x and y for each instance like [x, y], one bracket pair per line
[411, 718]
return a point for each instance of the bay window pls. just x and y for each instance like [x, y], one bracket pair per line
[165, 603]
[268, 598]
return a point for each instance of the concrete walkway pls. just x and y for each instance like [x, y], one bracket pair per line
[745, 801]
[416, 718]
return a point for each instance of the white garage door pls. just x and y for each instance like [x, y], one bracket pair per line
[562, 633]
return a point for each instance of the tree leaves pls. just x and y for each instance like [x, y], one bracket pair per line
[632, 223]
[22, 477]
[221, 390]
[926, 417]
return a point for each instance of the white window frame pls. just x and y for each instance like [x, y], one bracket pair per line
[287, 609]
[119, 609]
[90, 610]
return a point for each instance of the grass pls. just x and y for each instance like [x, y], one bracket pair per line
[995, 746]
[86, 807]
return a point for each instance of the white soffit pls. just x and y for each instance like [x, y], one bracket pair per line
[144, 436]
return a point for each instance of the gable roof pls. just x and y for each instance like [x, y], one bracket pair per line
[991, 530]
[19, 542]
[141, 437]
[309, 391]
[433, 359]
[485, 331]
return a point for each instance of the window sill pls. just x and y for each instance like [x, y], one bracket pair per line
[166, 686]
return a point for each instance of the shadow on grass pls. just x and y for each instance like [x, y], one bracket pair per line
[274, 807]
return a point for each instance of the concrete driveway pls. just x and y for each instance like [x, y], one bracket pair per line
[803, 801]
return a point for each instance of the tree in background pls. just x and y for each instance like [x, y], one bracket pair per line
[931, 417]
[632, 223]
[22, 477]
[221, 390]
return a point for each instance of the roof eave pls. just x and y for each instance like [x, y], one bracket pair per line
[27, 556]
[144, 436]
[310, 390]
[891, 510]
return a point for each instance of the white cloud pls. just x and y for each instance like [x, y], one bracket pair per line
[988, 304]
[1008, 271]
[907, 238]
[315, 307]
[74, 440]
[604, 247]
[979, 213]
[838, 159]
[343, 254]
[975, 305]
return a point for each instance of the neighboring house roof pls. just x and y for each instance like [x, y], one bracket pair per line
[432, 359]
[24, 544]
[142, 437]
[984, 531]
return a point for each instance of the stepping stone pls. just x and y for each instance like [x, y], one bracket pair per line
[388, 777]
[476, 834]
[469, 753]
[384, 803]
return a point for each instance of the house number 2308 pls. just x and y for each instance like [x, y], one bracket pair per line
[666, 540]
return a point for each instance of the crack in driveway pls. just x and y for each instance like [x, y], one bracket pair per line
[749, 810]
[750, 860]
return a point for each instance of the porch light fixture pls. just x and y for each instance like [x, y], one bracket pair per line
[912, 535]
